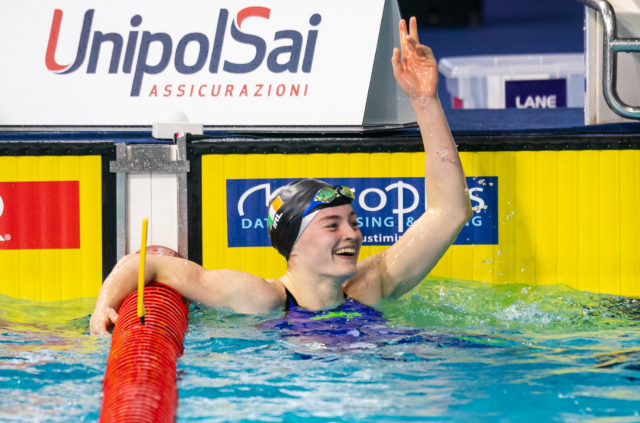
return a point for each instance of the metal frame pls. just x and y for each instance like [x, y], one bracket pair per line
[611, 46]
[142, 158]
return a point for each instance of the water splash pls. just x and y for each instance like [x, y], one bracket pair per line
[460, 304]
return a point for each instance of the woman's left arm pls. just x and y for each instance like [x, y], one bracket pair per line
[406, 263]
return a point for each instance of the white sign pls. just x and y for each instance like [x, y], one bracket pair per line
[278, 62]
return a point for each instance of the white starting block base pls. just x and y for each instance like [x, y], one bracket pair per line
[152, 195]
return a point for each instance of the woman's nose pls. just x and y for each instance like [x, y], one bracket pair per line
[350, 231]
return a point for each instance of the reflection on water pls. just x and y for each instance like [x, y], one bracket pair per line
[482, 353]
[50, 370]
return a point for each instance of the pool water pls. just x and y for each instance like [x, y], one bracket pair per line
[505, 353]
[50, 370]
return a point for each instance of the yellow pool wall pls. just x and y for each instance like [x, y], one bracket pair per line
[565, 217]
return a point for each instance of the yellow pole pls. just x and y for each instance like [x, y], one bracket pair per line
[143, 259]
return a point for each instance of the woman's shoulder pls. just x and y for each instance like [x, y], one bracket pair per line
[277, 285]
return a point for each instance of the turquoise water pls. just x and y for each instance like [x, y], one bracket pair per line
[50, 370]
[506, 353]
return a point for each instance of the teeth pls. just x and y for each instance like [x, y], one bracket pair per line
[346, 251]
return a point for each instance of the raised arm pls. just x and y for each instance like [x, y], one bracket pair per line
[240, 291]
[402, 266]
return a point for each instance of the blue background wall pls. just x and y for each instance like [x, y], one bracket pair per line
[512, 27]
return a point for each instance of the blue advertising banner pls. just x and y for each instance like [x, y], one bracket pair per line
[536, 94]
[482, 228]
[385, 207]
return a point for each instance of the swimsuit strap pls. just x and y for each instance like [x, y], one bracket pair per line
[290, 301]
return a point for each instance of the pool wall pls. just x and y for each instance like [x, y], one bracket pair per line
[549, 208]
[57, 219]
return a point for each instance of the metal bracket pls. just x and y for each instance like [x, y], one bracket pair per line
[611, 46]
[145, 158]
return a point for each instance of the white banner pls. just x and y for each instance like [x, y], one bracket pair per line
[279, 62]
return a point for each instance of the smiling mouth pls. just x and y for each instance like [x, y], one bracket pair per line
[346, 252]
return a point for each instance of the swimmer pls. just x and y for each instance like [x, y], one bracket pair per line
[313, 225]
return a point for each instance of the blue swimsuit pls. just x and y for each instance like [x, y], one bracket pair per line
[351, 322]
[355, 325]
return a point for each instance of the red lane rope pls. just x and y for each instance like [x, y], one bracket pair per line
[140, 380]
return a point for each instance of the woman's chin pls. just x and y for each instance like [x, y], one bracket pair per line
[347, 268]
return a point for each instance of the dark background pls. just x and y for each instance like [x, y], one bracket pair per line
[475, 27]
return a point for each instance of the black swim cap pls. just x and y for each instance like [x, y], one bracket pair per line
[287, 206]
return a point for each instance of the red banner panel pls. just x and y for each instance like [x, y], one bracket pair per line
[39, 215]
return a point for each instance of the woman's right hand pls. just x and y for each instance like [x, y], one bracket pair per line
[102, 320]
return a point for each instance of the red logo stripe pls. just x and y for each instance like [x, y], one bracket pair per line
[247, 12]
[50, 58]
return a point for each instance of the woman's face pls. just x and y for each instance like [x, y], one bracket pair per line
[330, 245]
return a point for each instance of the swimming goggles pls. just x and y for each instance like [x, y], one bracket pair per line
[327, 195]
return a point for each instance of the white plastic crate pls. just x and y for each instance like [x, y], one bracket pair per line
[518, 81]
